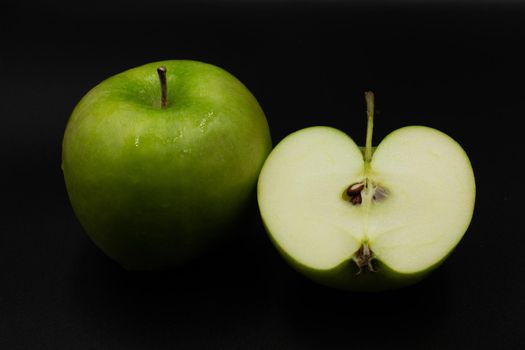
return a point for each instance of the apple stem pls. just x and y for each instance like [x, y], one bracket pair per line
[369, 97]
[163, 86]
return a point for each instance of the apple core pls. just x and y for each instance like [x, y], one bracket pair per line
[367, 188]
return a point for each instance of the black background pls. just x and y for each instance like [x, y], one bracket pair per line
[455, 66]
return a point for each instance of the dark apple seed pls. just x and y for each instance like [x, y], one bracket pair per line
[356, 199]
[354, 189]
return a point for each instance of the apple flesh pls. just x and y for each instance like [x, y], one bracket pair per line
[158, 174]
[367, 225]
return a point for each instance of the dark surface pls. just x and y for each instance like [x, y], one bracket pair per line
[456, 67]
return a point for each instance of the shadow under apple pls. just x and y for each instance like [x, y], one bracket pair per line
[223, 294]
[322, 316]
[241, 293]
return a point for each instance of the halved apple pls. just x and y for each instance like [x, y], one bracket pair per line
[366, 220]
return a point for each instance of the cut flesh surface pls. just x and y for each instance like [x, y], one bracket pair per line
[430, 197]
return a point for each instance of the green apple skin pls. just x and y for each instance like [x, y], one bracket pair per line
[346, 276]
[157, 187]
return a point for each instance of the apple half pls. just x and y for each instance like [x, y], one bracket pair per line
[361, 218]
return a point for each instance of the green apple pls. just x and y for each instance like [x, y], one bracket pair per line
[372, 220]
[160, 160]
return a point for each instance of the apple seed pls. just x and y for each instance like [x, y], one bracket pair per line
[354, 193]
[355, 189]
[357, 199]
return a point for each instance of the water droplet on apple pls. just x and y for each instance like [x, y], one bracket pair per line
[137, 141]
[173, 139]
[203, 125]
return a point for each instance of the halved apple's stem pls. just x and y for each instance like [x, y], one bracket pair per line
[353, 192]
[369, 97]
[163, 86]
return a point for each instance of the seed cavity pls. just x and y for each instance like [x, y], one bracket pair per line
[354, 192]
[380, 193]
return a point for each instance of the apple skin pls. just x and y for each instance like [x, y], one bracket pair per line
[346, 276]
[157, 187]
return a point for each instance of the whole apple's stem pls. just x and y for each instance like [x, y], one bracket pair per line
[369, 97]
[163, 86]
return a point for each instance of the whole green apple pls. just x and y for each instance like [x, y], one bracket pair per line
[366, 219]
[160, 160]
